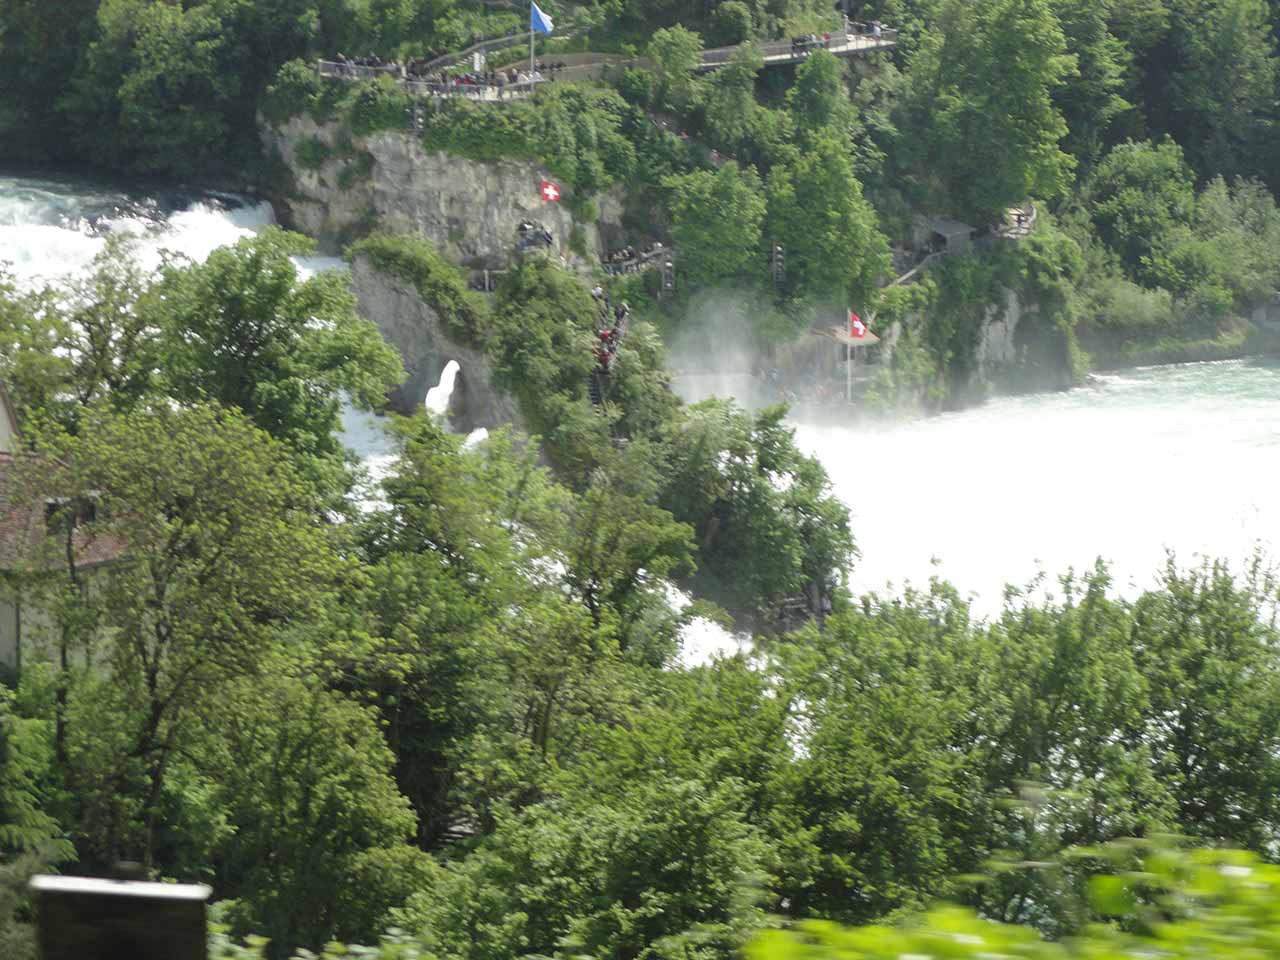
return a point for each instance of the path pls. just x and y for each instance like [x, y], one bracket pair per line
[775, 53]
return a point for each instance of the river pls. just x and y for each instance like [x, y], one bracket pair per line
[1177, 458]
[1181, 458]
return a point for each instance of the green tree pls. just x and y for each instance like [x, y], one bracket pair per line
[732, 23]
[982, 130]
[819, 98]
[1141, 199]
[1225, 85]
[769, 529]
[676, 53]
[313, 823]
[671, 871]
[154, 93]
[1205, 645]
[39, 47]
[833, 246]
[241, 330]
[219, 548]
[716, 220]
[1091, 102]
[732, 113]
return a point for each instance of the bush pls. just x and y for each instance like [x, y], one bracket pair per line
[672, 873]
[297, 90]
[577, 132]
[437, 281]
[1198, 905]
[375, 105]
[358, 168]
[312, 153]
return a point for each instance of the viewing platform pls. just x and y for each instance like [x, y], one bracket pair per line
[783, 52]
[428, 79]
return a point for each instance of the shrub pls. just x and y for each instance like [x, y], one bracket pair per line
[312, 153]
[355, 170]
[437, 281]
[297, 90]
[375, 105]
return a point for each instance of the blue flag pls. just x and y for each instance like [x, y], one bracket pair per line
[538, 20]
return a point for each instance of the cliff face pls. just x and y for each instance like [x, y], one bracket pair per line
[413, 328]
[470, 210]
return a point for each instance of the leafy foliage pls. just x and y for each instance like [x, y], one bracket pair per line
[437, 281]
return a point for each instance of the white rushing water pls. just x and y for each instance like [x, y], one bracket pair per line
[1181, 458]
[52, 228]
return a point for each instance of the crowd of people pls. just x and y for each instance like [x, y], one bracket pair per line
[630, 260]
[801, 46]
[531, 235]
[417, 70]
[611, 328]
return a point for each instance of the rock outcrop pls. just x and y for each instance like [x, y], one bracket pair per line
[470, 210]
[414, 328]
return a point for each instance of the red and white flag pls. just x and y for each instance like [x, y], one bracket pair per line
[857, 329]
[550, 192]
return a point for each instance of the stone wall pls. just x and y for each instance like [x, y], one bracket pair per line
[470, 210]
[414, 328]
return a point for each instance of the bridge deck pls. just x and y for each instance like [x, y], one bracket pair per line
[775, 53]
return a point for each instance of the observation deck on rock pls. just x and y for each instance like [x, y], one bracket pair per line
[853, 42]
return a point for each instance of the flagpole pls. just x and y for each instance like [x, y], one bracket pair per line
[848, 373]
[530, 46]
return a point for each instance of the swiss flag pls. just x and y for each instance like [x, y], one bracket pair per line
[857, 329]
[550, 192]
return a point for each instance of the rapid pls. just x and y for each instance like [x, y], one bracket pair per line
[1177, 459]
[1181, 458]
[52, 228]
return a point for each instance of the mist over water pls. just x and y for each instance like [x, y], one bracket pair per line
[1182, 458]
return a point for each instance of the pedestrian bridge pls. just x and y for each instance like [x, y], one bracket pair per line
[850, 43]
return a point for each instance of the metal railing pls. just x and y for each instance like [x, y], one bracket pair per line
[475, 91]
[484, 46]
[836, 43]
[789, 49]
[346, 70]
[429, 88]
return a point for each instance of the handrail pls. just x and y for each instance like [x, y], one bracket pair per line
[774, 48]
[839, 43]
[497, 43]
[345, 70]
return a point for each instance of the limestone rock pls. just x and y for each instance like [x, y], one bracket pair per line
[414, 328]
[470, 210]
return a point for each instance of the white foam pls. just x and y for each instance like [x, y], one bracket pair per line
[438, 396]
[1180, 458]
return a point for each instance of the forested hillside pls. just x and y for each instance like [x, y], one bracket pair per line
[446, 713]
[1143, 129]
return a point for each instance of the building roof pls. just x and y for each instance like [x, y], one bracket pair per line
[841, 335]
[45, 883]
[949, 228]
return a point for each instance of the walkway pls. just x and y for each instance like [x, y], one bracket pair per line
[775, 53]
[782, 52]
